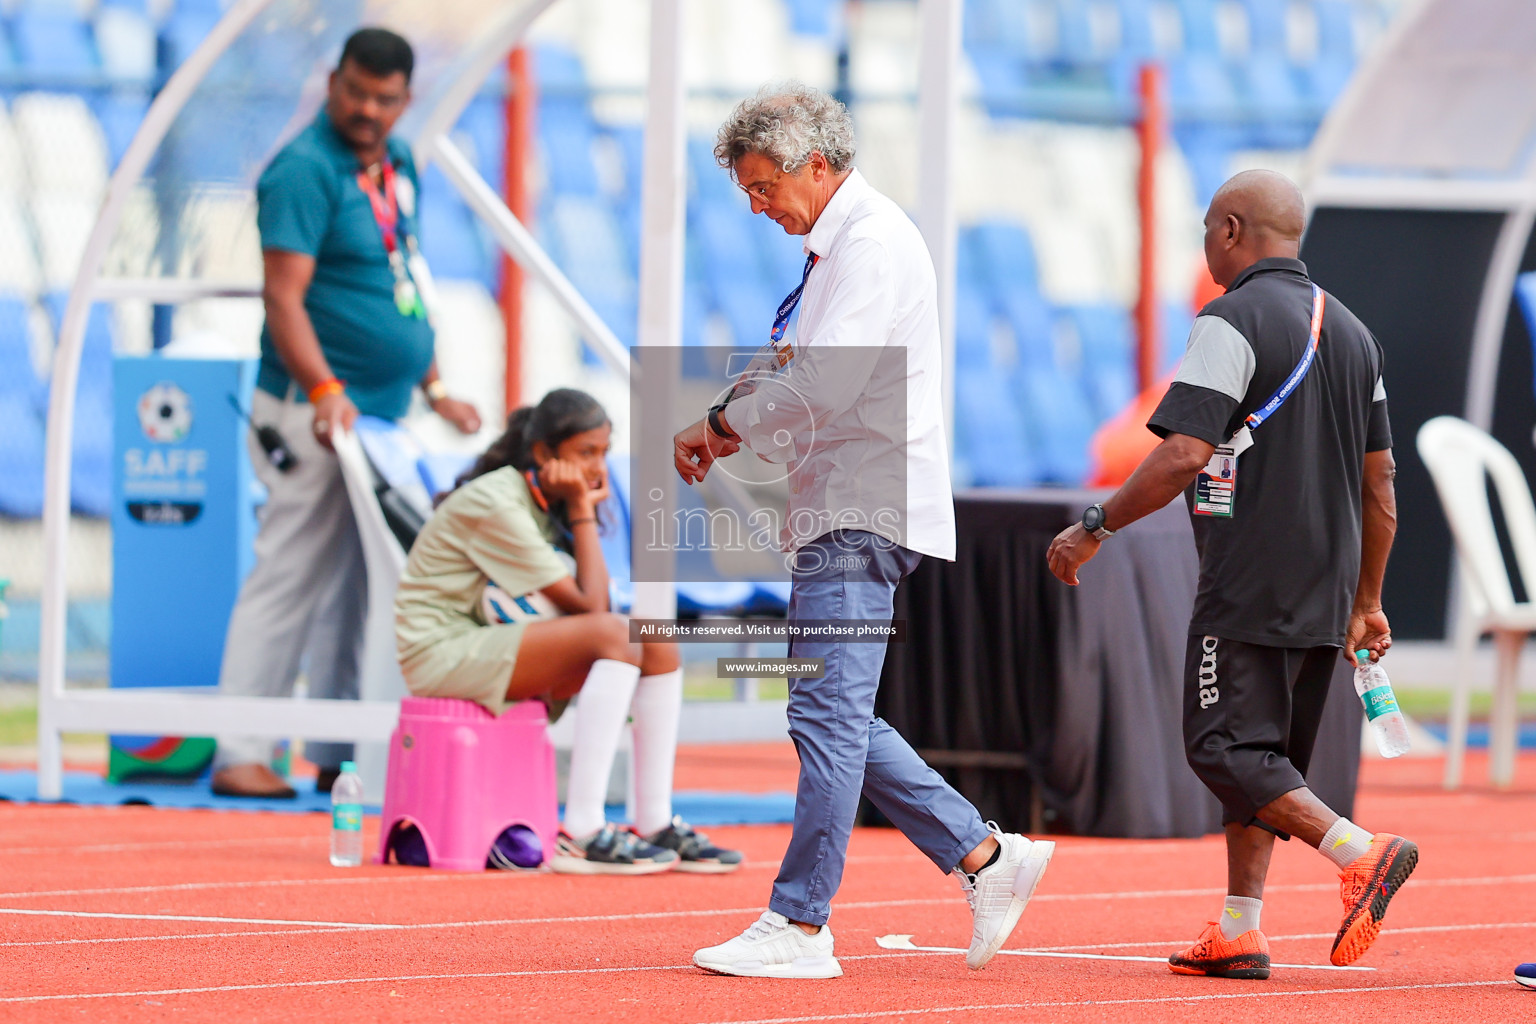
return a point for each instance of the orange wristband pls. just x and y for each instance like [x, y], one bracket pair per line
[329, 386]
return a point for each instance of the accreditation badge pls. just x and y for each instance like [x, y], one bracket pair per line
[1216, 484]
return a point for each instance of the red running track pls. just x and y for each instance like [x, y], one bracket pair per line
[136, 914]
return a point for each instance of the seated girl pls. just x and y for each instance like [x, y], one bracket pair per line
[536, 493]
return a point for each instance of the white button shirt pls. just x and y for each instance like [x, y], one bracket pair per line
[864, 461]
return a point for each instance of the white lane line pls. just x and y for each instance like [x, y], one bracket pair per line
[347, 925]
[430, 925]
[455, 876]
[392, 979]
[1415, 929]
[1145, 894]
[1266, 994]
[414, 876]
[322, 930]
[905, 942]
[167, 845]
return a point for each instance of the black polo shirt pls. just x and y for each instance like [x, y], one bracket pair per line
[1282, 570]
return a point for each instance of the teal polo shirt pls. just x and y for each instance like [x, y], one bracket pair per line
[308, 200]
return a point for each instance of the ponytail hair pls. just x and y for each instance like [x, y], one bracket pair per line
[559, 415]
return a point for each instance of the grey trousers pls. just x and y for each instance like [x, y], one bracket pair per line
[844, 749]
[307, 594]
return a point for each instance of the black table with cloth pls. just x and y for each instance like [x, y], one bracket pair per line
[1060, 706]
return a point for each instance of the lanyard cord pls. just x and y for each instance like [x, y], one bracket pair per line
[1278, 398]
[385, 205]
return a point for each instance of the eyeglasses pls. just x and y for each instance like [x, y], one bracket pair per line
[762, 193]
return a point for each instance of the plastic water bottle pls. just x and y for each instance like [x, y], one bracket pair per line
[1375, 690]
[347, 818]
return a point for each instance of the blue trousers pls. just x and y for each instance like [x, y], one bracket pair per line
[844, 749]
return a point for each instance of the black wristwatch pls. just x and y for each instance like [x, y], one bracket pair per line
[718, 428]
[1093, 522]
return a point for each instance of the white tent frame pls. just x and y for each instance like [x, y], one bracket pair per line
[190, 713]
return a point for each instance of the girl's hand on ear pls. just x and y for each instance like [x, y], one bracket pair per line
[564, 481]
[604, 488]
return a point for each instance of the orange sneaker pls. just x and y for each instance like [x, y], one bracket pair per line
[1367, 886]
[1214, 956]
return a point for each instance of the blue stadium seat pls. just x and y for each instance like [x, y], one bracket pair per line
[711, 182]
[450, 239]
[1005, 256]
[1074, 34]
[811, 17]
[559, 72]
[1000, 23]
[992, 446]
[1030, 317]
[1282, 117]
[1176, 321]
[1107, 353]
[1208, 151]
[1003, 77]
[973, 327]
[18, 377]
[126, 42]
[53, 42]
[1335, 29]
[566, 134]
[1266, 26]
[120, 112]
[1325, 80]
[1198, 20]
[438, 470]
[1059, 419]
[186, 28]
[631, 142]
[484, 121]
[589, 247]
[91, 450]
[1137, 40]
[1200, 88]
[748, 307]
[21, 457]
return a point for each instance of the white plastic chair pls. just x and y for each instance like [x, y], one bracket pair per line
[1461, 458]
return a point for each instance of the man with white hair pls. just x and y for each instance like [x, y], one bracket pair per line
[854, 406]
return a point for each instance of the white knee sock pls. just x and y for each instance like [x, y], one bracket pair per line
[1239, 914]
[658, 705]
[1344, 841]
[601, 710]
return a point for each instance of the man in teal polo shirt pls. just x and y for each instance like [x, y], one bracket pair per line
[346, 332]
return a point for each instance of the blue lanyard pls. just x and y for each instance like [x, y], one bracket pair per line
[787, 307]
[1278, 398]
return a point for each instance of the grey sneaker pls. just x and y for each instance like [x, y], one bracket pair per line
[773, 947]
[609, 852]
[694, 851]
[998, 894]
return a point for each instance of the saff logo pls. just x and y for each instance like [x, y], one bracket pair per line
[165, 413]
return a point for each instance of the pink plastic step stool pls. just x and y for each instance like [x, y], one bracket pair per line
[462, 775]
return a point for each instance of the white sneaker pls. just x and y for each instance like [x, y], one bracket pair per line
[773, 948]
[998, 894]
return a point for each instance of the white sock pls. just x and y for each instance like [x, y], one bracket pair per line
[1344, 842]
[1240, 914]
[657, 708]
[601, 711]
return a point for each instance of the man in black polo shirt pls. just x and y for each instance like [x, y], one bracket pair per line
[1276, 425]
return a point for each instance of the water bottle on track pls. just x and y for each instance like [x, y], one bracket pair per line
[347, 818]
[1381, 710]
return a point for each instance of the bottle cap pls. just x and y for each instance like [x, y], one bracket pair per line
[1362, 656]
[349, 766]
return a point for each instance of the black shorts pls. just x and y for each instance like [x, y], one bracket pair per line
[1251, 715]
